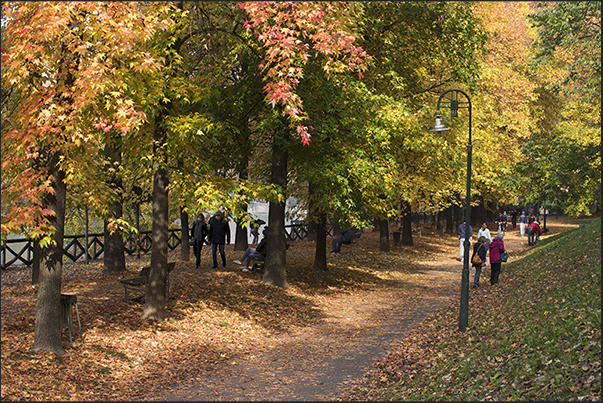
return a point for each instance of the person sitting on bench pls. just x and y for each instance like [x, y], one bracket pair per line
[254, 253]
[346, 237]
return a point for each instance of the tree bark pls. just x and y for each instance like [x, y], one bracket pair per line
[114, 256]
[241, 242]
[439, 223]
[47, 336]
[406, 225]
[155, 296]
[276, 256]
[449, 222]
[184, 236]
[384, 235]
[35, 264]
[320, 256]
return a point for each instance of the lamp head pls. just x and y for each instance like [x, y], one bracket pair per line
[439, 125]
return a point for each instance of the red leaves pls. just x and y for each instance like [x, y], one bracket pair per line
[288, 30]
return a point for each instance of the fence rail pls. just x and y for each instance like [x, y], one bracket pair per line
[18, 252]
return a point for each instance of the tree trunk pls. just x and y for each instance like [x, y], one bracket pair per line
[241, 241]
[155, 296]
[114, 256]
[35, 264]
[439, 223]
[320, 256]
[47, 336]
[406, 225]
[276, 256]
[449, 221]
[184, 236]
[384, 235]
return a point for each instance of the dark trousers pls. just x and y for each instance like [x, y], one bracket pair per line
[494, 272]
[197, 245]
[531, 236]
[215, 246]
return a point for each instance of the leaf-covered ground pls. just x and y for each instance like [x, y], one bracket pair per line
[535, 336]
[225, 322]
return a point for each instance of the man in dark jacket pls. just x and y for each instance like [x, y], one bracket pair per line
[219, 234]
[346, 237]
[199, 232]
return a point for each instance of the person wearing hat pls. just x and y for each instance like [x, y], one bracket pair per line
[534, 233]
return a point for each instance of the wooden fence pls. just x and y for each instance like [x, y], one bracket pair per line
[19, 252]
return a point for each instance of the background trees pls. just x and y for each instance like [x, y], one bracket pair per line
[217, 104]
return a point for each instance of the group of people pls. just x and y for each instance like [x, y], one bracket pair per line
[528, 225]
[483, 247]
[218, 235]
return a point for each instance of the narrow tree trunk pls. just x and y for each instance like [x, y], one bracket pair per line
[184, 236]
[47, 336]
[406, 225]
[449, 221]
[241, 242]
[384, 235]
[114, 257]
[35, 265]
[276, 257]
[155, 297]
[439, 223]
[320, 256]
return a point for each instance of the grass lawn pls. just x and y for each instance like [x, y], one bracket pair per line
[534, 336]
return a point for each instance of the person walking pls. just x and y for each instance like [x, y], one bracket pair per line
[534, 233]
[496, 247]
[504, 220]
[522, 224]
[461, 233]
[514, 213]
[485, 232]
[479, 249]
[219, 234]
[199, 232]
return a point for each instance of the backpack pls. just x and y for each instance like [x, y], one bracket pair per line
[476, 260]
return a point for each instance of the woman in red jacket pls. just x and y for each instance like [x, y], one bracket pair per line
[534, 233]
[496, 247]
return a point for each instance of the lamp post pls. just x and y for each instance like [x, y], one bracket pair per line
[454, 104]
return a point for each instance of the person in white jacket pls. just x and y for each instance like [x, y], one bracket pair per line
[485, 232]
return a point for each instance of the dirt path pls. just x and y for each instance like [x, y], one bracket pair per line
[317, 362]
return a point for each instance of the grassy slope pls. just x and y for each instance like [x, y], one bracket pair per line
[535, 336]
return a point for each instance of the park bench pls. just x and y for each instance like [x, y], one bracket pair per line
[135, 288]
[258, 262]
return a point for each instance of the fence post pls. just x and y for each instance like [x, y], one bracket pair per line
[86, 240]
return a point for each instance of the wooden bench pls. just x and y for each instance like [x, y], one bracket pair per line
[135, 288]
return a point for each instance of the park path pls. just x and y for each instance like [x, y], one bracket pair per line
[317, 363]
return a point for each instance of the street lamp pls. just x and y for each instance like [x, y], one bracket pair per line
[452, 102]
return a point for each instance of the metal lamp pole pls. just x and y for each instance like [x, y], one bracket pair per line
[454, 105]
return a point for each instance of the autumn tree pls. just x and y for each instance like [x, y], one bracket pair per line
[57, 58]
[291, 33]
[561, 161]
